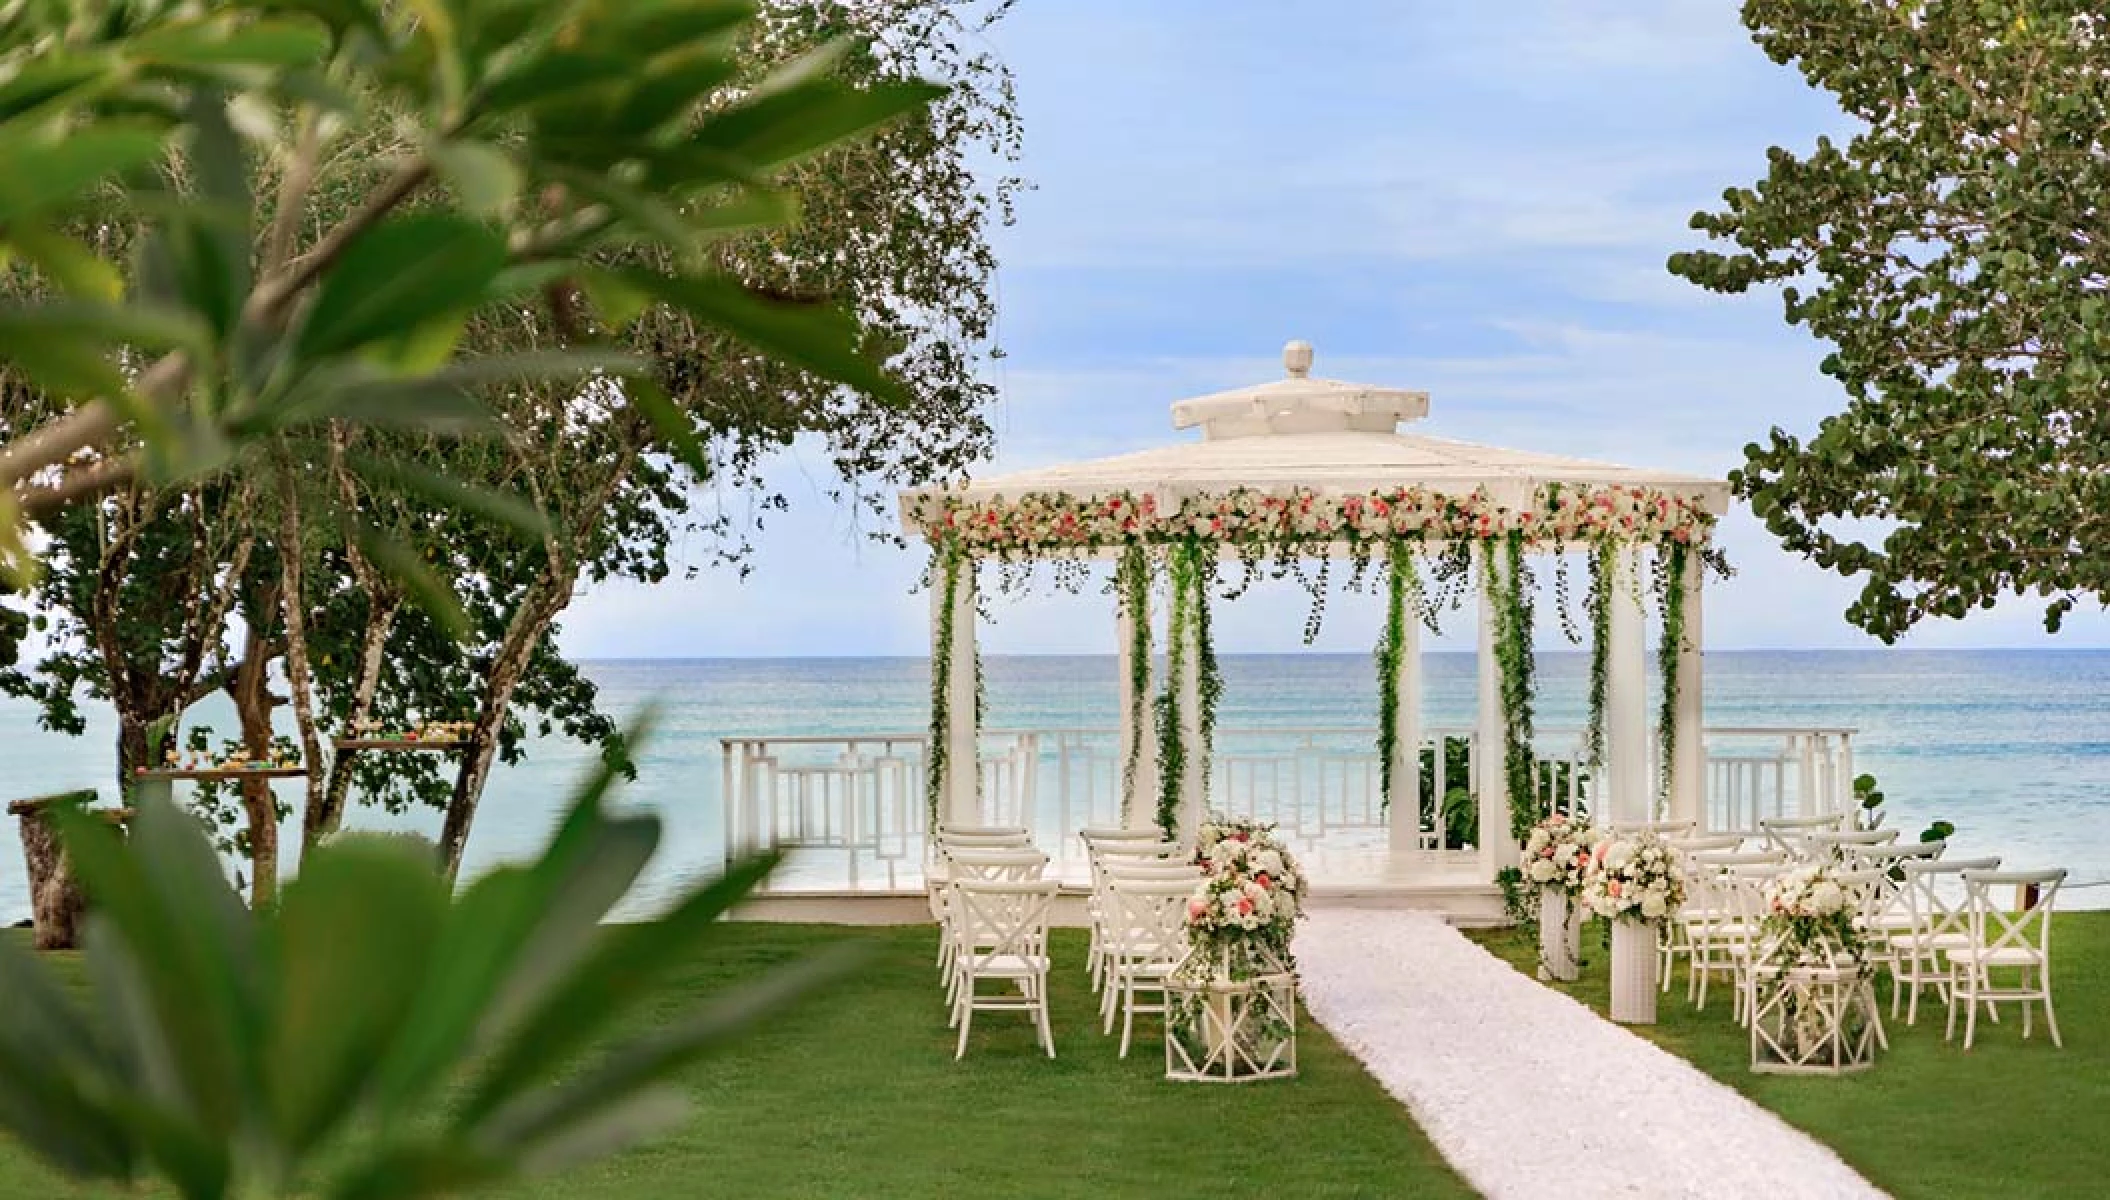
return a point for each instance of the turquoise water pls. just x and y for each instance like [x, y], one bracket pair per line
[2012, 746]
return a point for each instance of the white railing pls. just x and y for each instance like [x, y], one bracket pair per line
[852, 809]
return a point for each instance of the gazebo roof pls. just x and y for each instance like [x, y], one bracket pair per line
[1333, 437]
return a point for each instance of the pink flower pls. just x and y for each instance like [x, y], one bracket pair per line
[1196, 910]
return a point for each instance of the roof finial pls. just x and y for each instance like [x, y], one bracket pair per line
[1297, 358]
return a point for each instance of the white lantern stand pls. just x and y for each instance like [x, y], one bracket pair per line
[1634, 960]
[1560, 935]
[1814, 1020]
[1221, 1030]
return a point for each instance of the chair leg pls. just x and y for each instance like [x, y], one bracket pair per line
[1128, 1018]
[1040, 1011]
[2025, 1019]
[966, 1021]
[1970, 1020]
[2051, 1020]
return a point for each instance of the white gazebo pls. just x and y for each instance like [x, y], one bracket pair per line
[1304, 468]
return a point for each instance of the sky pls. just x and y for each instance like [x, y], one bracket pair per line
[1471, 199]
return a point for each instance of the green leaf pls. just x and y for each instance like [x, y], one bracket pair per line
[506, 508]
[72, 365]
[165, 895]
[615, 302]
[671, 423]
[42, 174]
[813, 337]
[781, 127]
[49, 1058]
[67, 78]
[483, 176]
[407, 1172]
[487, 933]
[70, 266]
[213, 42]
[355, 934]
[630, 961]
[551, 78]
[424, 586]
[540, 1124]
[399, 275]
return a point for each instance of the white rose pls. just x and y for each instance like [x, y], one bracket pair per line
[1826, 898]
[1654, 906]
[1543, 871]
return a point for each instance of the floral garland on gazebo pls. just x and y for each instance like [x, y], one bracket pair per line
[1297, 523]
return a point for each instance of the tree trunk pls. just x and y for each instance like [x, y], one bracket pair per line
[381, 618]
[252, 705]
[293, 610]
[537, 610]
[56, 901]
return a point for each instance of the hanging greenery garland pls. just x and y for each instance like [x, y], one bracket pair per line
[1211, 676]
[1671, 560]
[1179, 633]
[1391, 650]
[1598, 603]
[948, 562]
[1132, 593]
[1509, 590]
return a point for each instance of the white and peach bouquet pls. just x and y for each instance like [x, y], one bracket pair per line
[1245, 908]
[1557, 853]
[1633, 877]
[1809, 917]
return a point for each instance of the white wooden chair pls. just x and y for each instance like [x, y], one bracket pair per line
[1000, 934]
[1938, 921]
[1676, 942]
[1788, 834]
[2002, 942]
[1013, 863]
[961, 838]
[1742, 938]
[1713, 923]
[1146, 936]
[1665, 829]
[1126, 852]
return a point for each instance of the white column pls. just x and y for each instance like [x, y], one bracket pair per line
[963, 768]
[1497, 849]
[1404, 804]
[1688, 780]
[1138, 810]
[1193, 803]
[1628, 788]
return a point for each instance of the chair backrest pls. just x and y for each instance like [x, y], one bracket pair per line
[1787, 833]
[1870, 890]
[1001, 863]
[1707, 843]
[1935, 912]
[1148, 868]
[1139, 848]
[1886, 857]
[1739, 858]
[1092, 837]
[1147, 918]
[1743, 887]
[993, 839]
[1994, 927]
[995, 917]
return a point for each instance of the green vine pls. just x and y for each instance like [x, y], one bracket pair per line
[1671, 561]
[1132, 591]
[949, 561]
[1206, 668]
[1391, 648]
[1509, 589]
[1183, 583]
[1598, 603]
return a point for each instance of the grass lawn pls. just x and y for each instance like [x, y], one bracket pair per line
[856, 1094]
[2009, 1118]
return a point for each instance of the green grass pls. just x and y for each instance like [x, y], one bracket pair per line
[2008, 1118]
[856, 1094]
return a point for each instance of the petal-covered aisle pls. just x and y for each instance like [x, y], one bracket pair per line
[1530, 1094]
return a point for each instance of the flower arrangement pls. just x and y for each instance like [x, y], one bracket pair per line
[1633, 877]
[1244, 911]
[1810, 918]
[1557, 853]
[1050, 523]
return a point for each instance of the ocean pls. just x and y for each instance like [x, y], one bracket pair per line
[2011, 746]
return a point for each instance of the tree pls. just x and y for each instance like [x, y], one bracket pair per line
[411, 179]
[1953, 252]
[895, 230]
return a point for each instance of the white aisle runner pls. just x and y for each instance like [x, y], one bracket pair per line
[1528, 1093]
